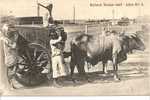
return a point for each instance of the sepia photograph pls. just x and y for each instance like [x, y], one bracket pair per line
[74, 48]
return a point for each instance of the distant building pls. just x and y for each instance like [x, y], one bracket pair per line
[106, 22]
[124, 21]
[29, 20]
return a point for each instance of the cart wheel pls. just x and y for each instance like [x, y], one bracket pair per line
[30, 66]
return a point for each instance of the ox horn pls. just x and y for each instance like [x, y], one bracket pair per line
[131, 35]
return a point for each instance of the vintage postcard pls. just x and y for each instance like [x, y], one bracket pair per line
[74, 47]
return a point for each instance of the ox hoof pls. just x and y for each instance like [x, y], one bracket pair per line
[117, 78]
[89, 81]
[105, 72]
[74, 81]
[104, 75]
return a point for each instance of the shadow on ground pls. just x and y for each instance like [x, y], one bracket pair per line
[99, 77]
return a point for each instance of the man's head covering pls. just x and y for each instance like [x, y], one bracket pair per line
[5, 28]
[114, 32]
[45, 2]
[49, 1]
[8, 29]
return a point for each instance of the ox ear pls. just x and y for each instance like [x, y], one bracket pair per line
[134, 36]
[131, 35]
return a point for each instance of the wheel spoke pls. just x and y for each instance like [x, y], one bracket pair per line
[28, 54]
[23, 64]
[43, 63]
[23, 57]
[40, 56]
[31, 64]
[21, 61]
[35, 53]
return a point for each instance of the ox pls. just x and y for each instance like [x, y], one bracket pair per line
[96, 48]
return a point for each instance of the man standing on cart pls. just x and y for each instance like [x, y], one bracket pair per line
[48, 19]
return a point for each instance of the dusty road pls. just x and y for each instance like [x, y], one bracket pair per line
[134, 81]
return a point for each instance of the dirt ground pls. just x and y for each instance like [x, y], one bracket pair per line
[134, 81]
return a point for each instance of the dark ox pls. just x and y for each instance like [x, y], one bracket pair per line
[92, 49]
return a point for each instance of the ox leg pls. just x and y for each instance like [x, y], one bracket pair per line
[81, 70]
[11, 74]
[72, 66]
[115, 67]
[105, 67]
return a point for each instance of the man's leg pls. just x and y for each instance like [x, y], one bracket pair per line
[64, 70]
[10, 75]
[55, 71]
[62, 67]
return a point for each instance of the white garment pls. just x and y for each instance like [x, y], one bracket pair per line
[58, 66]
[10, 52]
[55, 51]
[46, 19]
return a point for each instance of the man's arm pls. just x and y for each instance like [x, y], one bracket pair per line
[55, 41]
[42, 5]
[8, 42]
[13, 45]
[5, 40]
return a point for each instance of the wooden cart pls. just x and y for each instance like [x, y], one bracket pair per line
[34, 53]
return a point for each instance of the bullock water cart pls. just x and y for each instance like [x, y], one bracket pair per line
[34, 53]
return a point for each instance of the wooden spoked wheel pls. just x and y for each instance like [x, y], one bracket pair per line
[30, 66]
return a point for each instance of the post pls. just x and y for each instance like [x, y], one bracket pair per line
[113, 16]
[86, 29]
[38, 9]
[74, 14]
[63, 22]
[109, 27]
[32, 22]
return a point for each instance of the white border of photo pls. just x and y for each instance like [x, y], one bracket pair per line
[78, 98]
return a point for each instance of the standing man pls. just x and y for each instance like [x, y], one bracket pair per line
[48, 19]
[10, 50]
[58, 65]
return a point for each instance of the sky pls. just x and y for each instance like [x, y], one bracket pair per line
[63, 9]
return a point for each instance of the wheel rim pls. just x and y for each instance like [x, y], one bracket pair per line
[30, 66]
